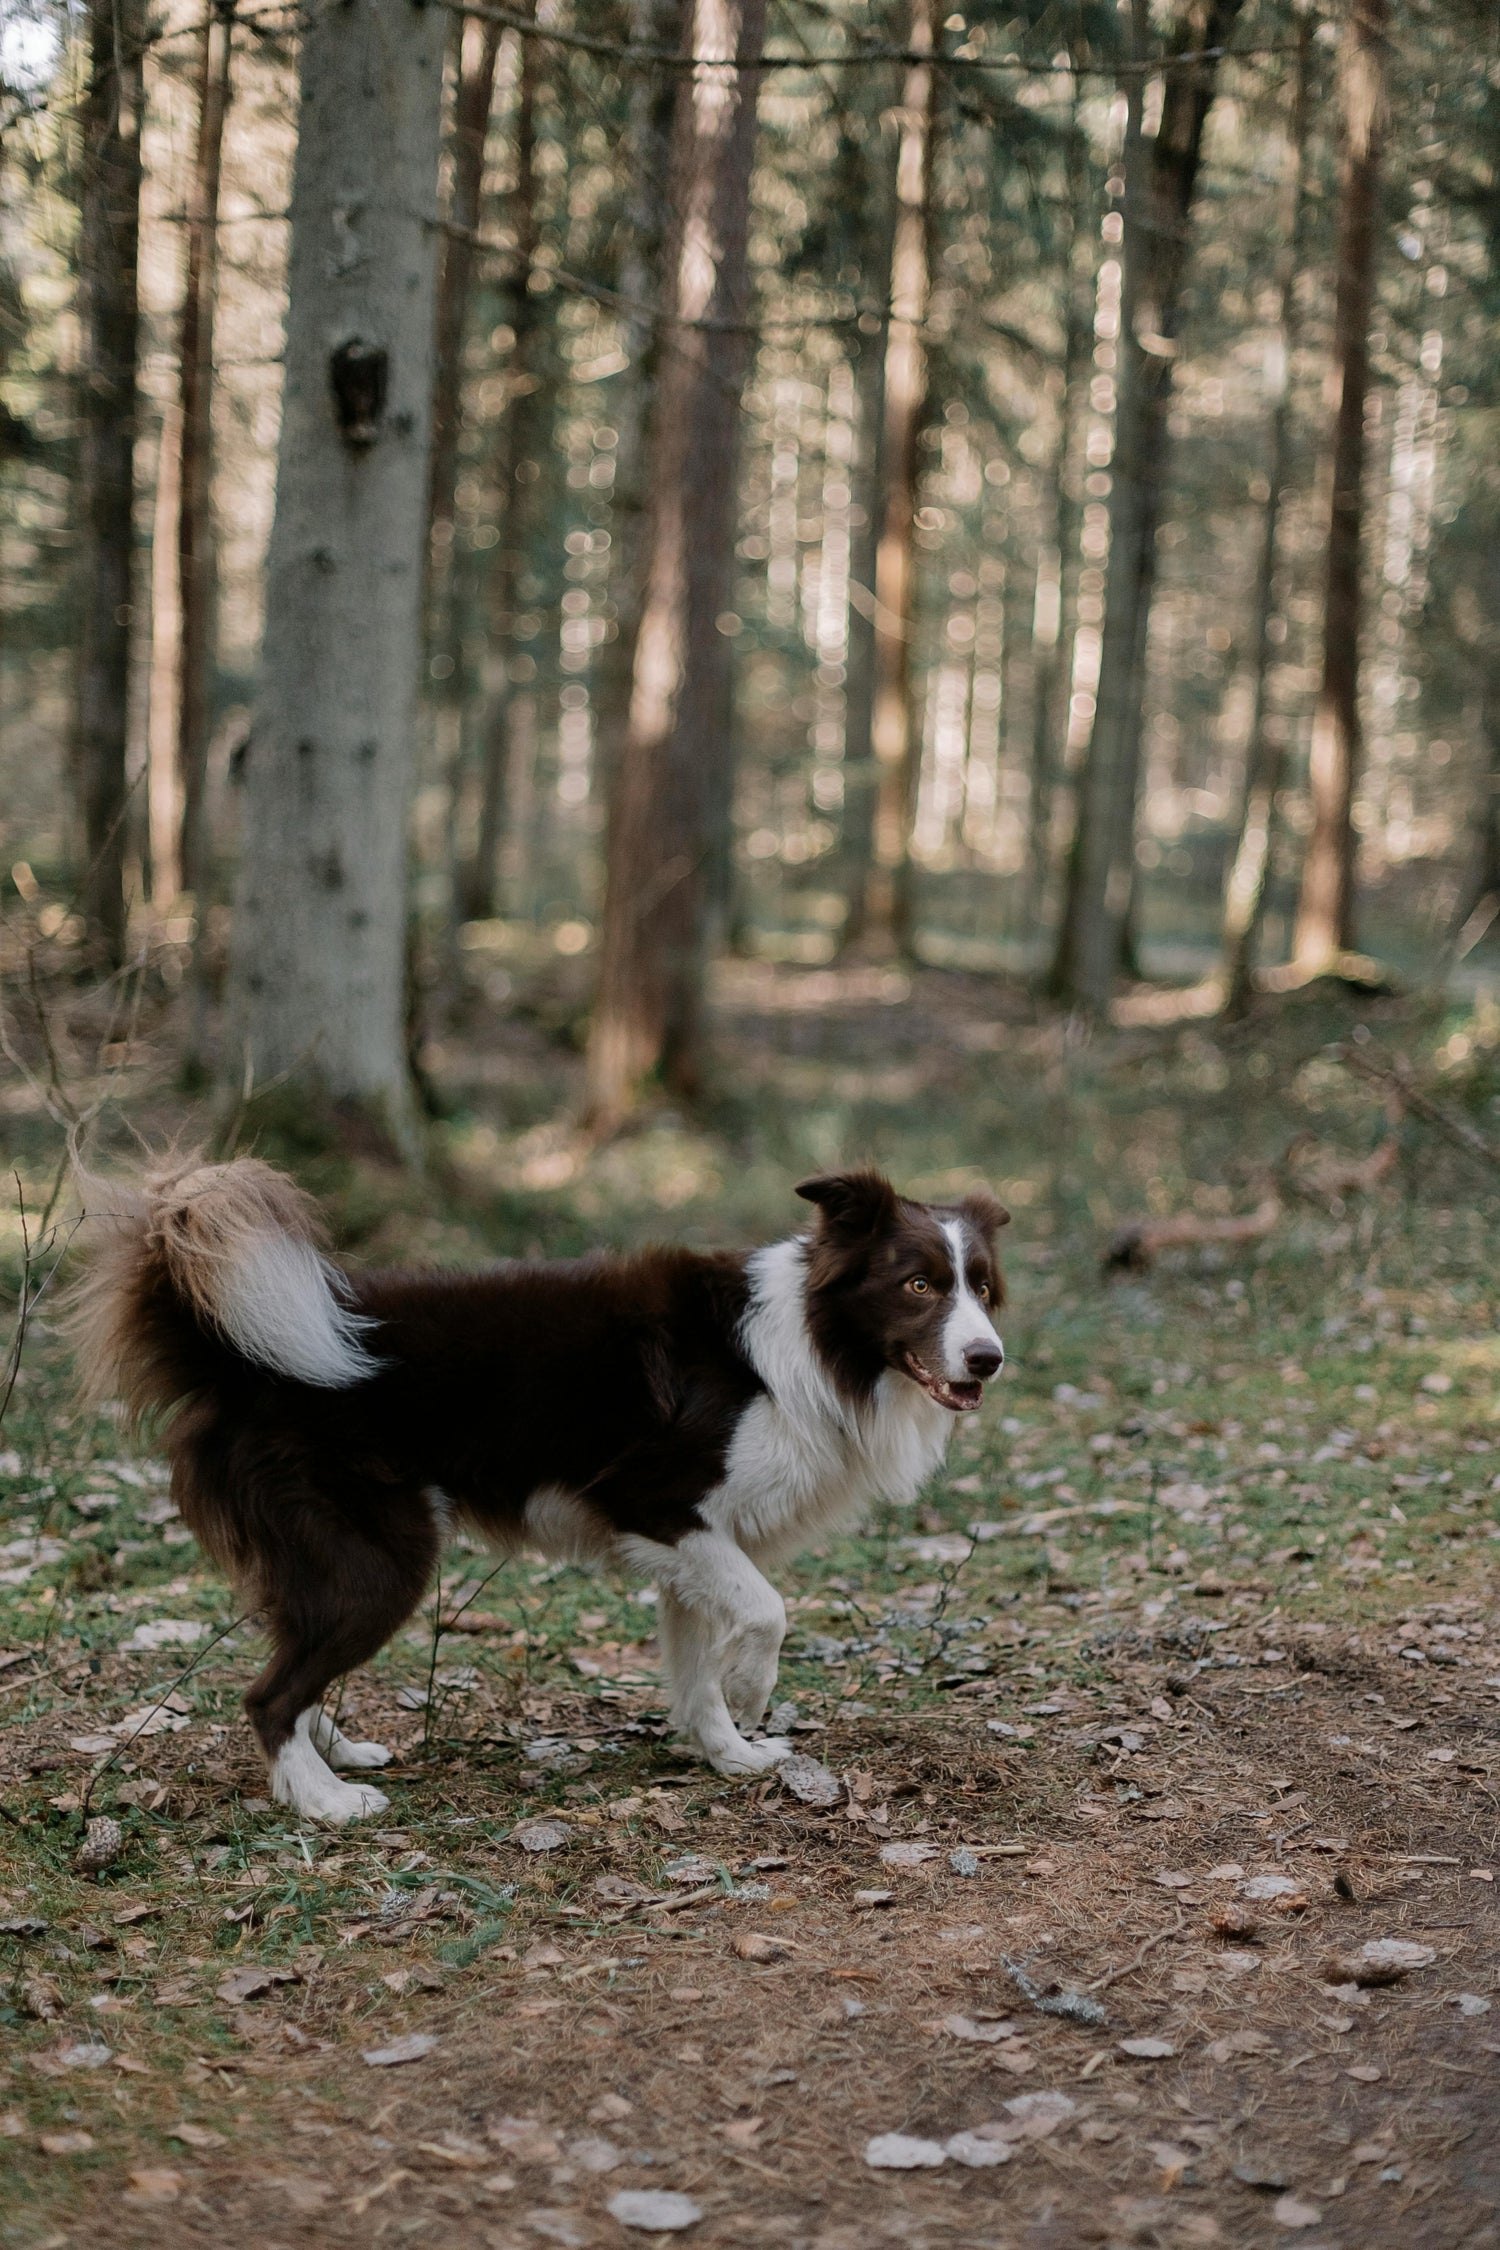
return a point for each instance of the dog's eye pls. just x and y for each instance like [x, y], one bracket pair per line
[918, 1285]
[982, 1292]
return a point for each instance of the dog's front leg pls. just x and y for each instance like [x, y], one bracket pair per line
[721, 1627]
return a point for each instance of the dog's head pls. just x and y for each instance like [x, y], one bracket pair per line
[909, 1286]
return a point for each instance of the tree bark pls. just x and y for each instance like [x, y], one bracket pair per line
[514, 441]
[1325, 908]
[661, 24]
[317, 983]
[109, 234]
[478, 51]
[197, 588]
[1248, 881]
[889, 911]
[648, 1015]
[1161, 180]
[1053, 634]
[877, 187]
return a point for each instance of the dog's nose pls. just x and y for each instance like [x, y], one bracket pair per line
[984, 1360]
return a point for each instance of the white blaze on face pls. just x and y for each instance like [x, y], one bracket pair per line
[968, 1323]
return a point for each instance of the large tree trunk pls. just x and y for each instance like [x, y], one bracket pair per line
[1161, 179]
[1248, 880]
[649, 1011]
[515, 441]
[889, 912]
[109, 233]
[1325, 909]
[320, 913]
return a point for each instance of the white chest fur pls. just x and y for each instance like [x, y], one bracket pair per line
[804, 1462]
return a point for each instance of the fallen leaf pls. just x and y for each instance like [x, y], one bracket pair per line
[1291, 2211]
[1472, 2004]
[470, 2156]
[982, 2034]
[152, 2183]
[196, 2136]
[1171, 2160]
[411, 2048]
[595, 2154]
[623, 1890]
[754, 1945]
[167, 1717]
[979, 2149]
[92, 1745]
[85, 2055]
[900, 2152]
[809, 1780]
[253, 1982]
[1269, 1887]
[655, 2210]
[907, 1855]
[743, 2132]
[523, 2138]
[64, 2144]
[1147, 2050]
[541, 1835]
[1368, 2074]
[1381, 1961]
[874, 1898]
[1246, 2042]
[1034, 2117]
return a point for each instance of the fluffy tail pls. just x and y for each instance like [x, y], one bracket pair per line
[233, 1252]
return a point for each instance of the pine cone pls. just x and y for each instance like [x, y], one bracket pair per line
[103, 1842]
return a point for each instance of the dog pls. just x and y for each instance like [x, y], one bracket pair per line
[689, 1417]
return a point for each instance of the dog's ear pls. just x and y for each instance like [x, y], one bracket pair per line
[851, 1203]
[984, 1211]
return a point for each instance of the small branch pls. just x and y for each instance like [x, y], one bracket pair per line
[1396, 1078]
[1133, 1246]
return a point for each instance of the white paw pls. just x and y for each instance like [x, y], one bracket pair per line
[356, 1757]
[333, 1801]
[748, 1758]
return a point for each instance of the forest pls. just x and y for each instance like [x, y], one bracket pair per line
[605, 604]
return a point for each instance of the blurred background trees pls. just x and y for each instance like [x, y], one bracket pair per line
[1011, 488]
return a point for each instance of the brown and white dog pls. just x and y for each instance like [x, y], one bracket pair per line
[688, 1417]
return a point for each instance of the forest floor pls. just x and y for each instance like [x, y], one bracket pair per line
[1118, 1789]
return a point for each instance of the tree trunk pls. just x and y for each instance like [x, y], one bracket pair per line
[320, 912]
[108, 240]
[479, 48]
[1161, 179]
[889, 914]
[1248, 881]
[1056, 617]
[661, 24]
[1325, 909]
[196, 560]
[649, 1011]
[859, 769]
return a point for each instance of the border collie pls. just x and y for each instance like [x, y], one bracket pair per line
[689, 1417]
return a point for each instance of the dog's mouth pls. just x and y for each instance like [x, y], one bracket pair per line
[959, 1398]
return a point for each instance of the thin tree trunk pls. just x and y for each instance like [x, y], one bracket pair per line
[1053, 634]
[648, 1015]
[877, 187]
[1325, 908]
[661, 24]
[1248, 883]
[197, 575]
[109, 235]
[318, 985]
[163, 793]
[889, 915]
[479, 48]
[515, 440]
[1161, 179]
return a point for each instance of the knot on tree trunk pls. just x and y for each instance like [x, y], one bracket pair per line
[359, 373]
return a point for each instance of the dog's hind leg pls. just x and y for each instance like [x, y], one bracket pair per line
[334, 1598]
[343, 1755]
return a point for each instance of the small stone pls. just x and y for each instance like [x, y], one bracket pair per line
[655, 2210]
[411, 2049]
[1290, 2211]
[902, 2152]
